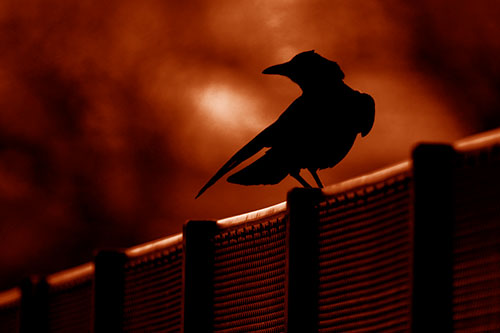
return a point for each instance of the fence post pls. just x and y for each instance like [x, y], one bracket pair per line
[34, 312]
[108, 291]
[197, 268]
[432, 238]
[301, 300]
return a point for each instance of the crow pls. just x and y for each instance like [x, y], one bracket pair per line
[315, 132]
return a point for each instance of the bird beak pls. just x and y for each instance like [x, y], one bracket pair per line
[281, 69]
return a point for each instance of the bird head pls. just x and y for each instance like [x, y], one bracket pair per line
[308, 68]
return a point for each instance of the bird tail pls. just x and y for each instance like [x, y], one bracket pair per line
[267, 170]
[250, 149]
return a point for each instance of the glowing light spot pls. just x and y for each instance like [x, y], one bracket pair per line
[286, 52]
[226, 107]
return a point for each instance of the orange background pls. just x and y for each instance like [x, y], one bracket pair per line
[113, 114]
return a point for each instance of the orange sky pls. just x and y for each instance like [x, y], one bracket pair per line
[113, 114]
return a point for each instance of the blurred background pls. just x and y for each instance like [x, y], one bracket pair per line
[113, 114]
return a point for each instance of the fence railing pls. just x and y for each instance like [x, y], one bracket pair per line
[10, 310]
[476, 235]
[413, 247]
[140, 289]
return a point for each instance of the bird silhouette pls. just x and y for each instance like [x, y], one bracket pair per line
[315, 132]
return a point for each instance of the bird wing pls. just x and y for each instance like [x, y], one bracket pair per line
[253, 147]
[286, 135]
[267, 138]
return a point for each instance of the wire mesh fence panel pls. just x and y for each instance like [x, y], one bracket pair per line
[249, 274]
[365, 255]
[476, 239]
[70, 300]
[153, 287]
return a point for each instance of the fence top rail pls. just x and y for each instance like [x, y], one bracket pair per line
[10, 296]
[367, 179]
[478, 141]
[252, 216]
[70, 275]
[375, 177]
[153, 246]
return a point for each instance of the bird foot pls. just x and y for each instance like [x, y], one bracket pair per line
[301, 180]
[316, 178]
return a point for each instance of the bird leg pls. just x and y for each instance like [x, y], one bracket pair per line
[316, 177]
[301, 180]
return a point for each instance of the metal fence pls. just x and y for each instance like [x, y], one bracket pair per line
[10, 310]
[413, 247]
